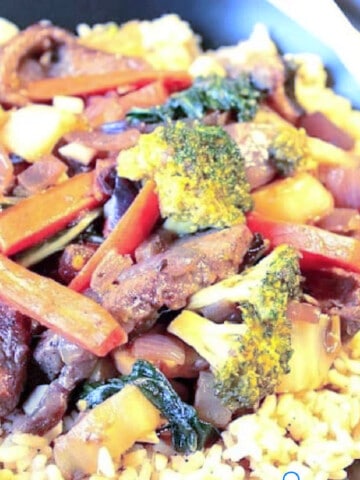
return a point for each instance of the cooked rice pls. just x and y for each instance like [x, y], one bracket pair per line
[166, 42]
[313, 433]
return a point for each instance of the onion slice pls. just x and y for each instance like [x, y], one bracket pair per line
[159, 348]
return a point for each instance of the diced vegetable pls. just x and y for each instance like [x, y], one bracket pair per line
[74, 316]
[318, 125]
[78, 152]
[32, 131]
[343, 183]
[85, 84]
[317, 342]
[341, 220]
[297, 199]
[132, 229]
[69, 104]
[208, 405]
[116, 424]
[43, 174]
[42, 215]
[319, 248]
[327, 154]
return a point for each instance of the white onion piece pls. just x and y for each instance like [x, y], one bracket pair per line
[304, 311]
[158, 348]
[208, 405]
[33, 400]
[341, 220]
[343, 183]
[42, 174]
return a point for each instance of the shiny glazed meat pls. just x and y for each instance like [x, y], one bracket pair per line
[168, 279]
[14, 355]
[23, 60]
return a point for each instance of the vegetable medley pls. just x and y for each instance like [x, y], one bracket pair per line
[178, 240]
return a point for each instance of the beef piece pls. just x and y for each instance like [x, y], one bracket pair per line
[338, 293]
[14, 355]
[108, 270]
[156, 243]
[75, 59]
[76, 365]
[170, 278]
[27, 44]
[22, 60]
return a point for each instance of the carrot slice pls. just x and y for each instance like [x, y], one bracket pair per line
[36, 218]
[132, 229]
[72, 315]
[149, 96]
[47, 88]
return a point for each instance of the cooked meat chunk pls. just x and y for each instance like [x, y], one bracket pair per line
[76, 365]
[75, 59]
[156, 243]
[338, 292]
[168, 279]
[110, 267]
[43, 50]
[14, 355]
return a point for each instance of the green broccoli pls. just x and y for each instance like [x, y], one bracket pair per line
[189, 433]
[289, 151]
[247, 359]
[199, 174]
[238, 95]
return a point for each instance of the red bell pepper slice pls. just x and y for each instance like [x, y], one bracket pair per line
[72, 315]
[40, 216]
[47, 88]
[132, 229]
[319, 248]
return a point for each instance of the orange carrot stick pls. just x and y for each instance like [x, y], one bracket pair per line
[132, 229]
[148, 96]
[85, 84]
[72, 315]
[36, 218]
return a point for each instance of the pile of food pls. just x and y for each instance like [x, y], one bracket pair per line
[179, 258]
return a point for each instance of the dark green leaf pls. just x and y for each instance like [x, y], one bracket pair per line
[206, 94]
[189, 433]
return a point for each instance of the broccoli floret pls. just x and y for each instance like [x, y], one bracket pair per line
[248, 359]
[289, 150]
[199, 174]
[238, 95]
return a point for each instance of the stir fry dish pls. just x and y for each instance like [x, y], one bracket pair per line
[179, 258]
